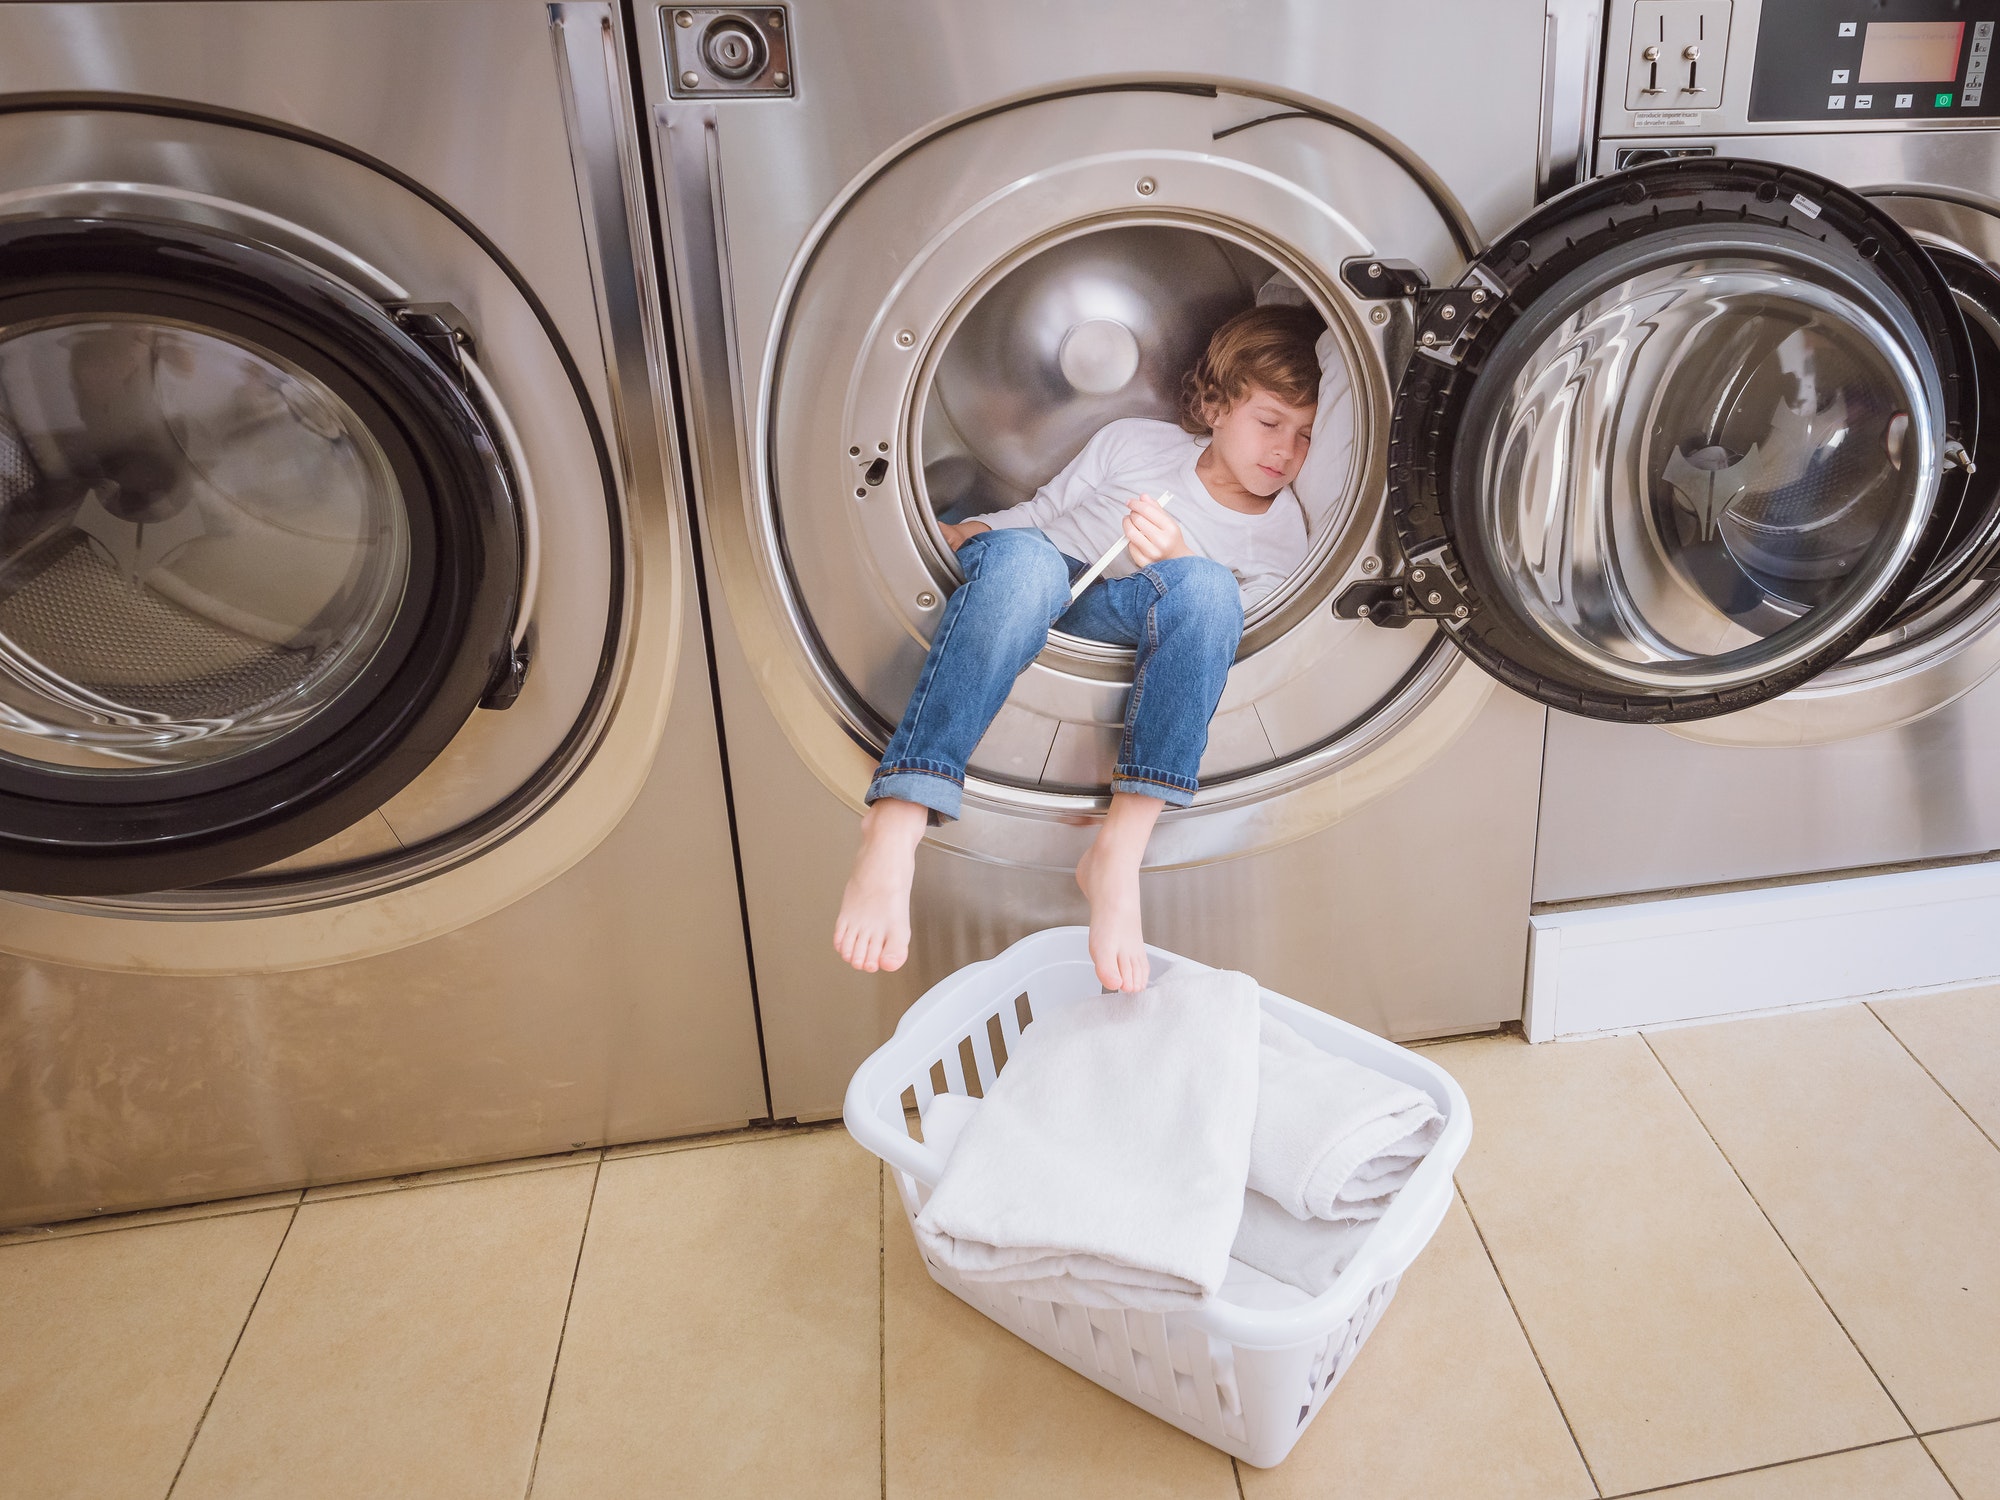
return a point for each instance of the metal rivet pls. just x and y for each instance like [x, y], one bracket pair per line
[905, 338]
[926, 600]
[1364, 610]
[690, 79]
[1374, 268]
[1418, 574]
[1460, 612]
[861, 493]
[1479, 294]
[1447, 312]
[881, 447]
[854, 452]
[684, 18]
[1371, 565]
[1430, 338]
[780, 80]
[1434, 597]
[1378, 315]
[1147, 187]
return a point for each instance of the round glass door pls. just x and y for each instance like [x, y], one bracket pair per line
[258, 556]
[1691, 458]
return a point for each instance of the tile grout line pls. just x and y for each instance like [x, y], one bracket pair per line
[1783, 1463]
[209, 1405]
[1854, 1343]
[1961, 1427]
[555, 1364]
[882, 1319]
[1237, 1469]
[1522, 1323]
[1929, 1074]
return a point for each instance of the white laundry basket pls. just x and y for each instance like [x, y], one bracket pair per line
[1245, 1379]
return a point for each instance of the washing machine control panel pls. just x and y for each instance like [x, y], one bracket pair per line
[1859, 61]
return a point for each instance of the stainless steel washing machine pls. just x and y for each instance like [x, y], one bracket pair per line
[1659, 451]
[1886, 759]
[360, 788]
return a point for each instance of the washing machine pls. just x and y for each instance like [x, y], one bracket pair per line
[1884, 760]
[361, 799]
[1653, 448]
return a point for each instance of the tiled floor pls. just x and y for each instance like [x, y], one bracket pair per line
[1755, 1261]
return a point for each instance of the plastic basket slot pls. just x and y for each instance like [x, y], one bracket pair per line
[1114, 1347]
[1074, 1332]
[1191, 1345]
[977, 1068]
[1018, 1017]
[1040, 1316]
[1149, 1350]
[996, 1043]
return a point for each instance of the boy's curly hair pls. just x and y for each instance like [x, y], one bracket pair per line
[1271, 346]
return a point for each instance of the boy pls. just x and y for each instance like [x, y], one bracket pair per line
[1177, 596]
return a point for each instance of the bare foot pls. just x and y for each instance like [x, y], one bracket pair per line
[872, 931]
[1108, 874]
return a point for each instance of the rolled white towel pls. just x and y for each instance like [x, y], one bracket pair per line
[1333, 1140]
[1306, 1253]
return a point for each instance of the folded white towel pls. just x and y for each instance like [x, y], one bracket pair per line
[1304, 1253]
[1106, 1165]
[1333, 1140]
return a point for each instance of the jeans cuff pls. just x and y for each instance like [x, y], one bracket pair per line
[940, 791]
[1147, 781]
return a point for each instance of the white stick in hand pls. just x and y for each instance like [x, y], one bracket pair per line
[1095, 571]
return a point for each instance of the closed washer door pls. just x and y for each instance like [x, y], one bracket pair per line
[259, 558]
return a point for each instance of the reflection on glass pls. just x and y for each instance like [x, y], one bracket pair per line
[201, 545]
[1707, 470]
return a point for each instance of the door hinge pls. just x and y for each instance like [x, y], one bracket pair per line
[1447, 317]
[1383, 280]
[1424, 590]
[512, 674]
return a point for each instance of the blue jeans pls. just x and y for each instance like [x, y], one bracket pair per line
[1183, 617]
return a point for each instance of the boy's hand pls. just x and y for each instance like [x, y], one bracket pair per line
[1154, 535]
[956, 536]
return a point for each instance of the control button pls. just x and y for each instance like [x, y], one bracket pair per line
[1836, 101]
[1840, 75]
[1847, 28]
[1982, 46]
[1906, 101]
[1864, 101]
[1983, 32]
[1944, 101]
[1971, 97]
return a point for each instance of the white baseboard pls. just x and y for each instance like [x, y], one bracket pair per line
[1606, 969]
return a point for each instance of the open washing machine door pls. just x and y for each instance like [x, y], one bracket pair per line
[259, 553]
[962, 322]
[1684, 439]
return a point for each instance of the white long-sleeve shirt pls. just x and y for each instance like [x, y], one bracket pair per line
[1082, 510]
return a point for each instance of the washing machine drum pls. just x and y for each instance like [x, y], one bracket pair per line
[259, 558]
[1685, 439]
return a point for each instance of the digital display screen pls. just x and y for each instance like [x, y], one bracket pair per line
[1910, 51]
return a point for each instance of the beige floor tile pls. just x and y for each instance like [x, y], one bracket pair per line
[1971, 1457]
[1679, 1334]
[974, 1411]
[1893, 1471]
[1884, 1190]
[1444, 1400]
[110, 1345]
[1957, 1037]
[725, 1334]
[402, 1347]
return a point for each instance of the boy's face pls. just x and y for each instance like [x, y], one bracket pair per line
[1262, 440]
